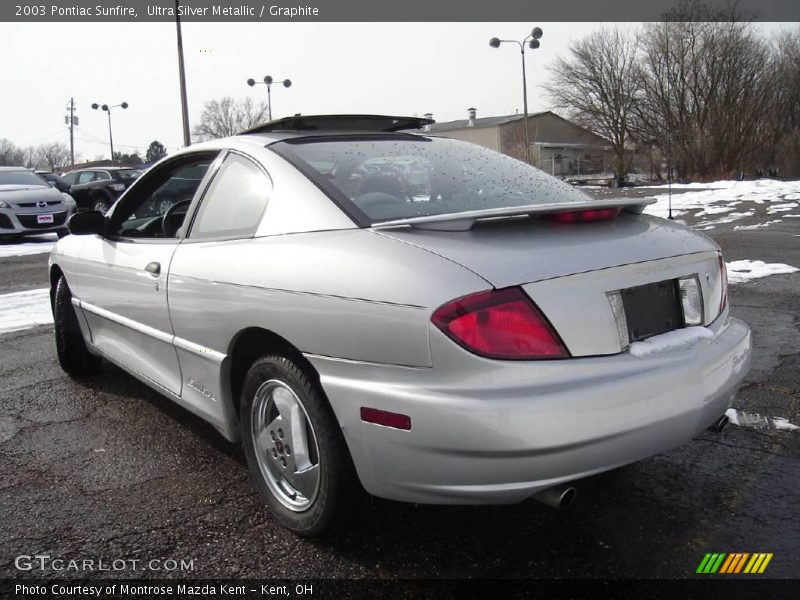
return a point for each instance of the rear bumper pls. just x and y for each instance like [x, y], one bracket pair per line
[497, 432]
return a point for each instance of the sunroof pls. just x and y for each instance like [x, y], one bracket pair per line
[341, 123]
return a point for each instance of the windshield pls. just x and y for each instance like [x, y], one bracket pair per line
[398, 177]
[21, 177]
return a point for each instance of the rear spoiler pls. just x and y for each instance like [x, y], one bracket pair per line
[465, 220]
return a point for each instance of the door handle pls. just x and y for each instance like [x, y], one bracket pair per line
[154, 269]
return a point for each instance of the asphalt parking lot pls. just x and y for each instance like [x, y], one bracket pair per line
[107, 468]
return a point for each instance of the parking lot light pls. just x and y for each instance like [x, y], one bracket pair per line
[268, 81]
[531, 41]
[107, 109]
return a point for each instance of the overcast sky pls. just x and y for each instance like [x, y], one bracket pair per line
[390, 68]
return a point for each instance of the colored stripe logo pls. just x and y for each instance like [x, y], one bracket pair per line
[734, 563]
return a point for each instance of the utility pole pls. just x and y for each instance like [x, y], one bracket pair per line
[73, 120]
[187, 140]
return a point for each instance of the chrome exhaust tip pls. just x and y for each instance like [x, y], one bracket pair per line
[558, 496]
[720, 424]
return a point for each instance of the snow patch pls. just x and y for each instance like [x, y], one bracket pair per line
[727, 219]
[23, 310]
[41, 245]
[756, 226]
[725, 194]
[672, 340]
[740, 271]
[757, 421]
[713, 210]
[781, 208]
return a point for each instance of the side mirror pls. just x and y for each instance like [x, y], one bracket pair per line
[86, 223]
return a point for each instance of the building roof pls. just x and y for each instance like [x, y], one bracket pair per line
[483, 122]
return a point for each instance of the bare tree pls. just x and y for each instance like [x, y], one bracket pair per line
[52, 155]
[8, 153]
[227, 116]
[709, 88]
[785, 135]
[598, 85]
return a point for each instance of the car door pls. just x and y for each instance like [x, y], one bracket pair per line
[202, 307]
[122, 280]
[80, 187]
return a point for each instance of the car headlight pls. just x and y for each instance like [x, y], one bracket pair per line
[117, 187]
[68, 200]
[4, 205]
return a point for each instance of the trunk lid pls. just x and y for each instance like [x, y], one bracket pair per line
[518, 251]
[569, 270]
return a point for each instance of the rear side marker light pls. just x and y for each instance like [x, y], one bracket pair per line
[691, 301]
[385, 418]
[502, 324]
[583, 216]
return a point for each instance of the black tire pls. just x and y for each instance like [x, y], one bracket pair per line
[101, 205]
[62, 233]
[73, 356]
[337, 483]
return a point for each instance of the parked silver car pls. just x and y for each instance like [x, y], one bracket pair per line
[489, 337]
[29, 205]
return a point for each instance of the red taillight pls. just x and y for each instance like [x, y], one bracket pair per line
[583, 216]
[386, 418]
[723, 278]
[500, 324]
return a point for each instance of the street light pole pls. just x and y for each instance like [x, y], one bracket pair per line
[525, 105]
[187, 140]
[532, 42]
[107, 109]
[268, 80]
[110, 136]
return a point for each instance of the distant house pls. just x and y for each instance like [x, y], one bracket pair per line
[558, 146]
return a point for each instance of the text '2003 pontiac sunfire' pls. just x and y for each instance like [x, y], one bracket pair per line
[430, 319]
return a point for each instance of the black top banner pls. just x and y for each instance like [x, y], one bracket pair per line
[370, 10]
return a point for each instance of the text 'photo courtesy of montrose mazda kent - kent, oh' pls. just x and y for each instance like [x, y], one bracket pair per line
[528, 335]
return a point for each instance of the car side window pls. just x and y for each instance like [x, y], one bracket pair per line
[85, 177]
[100, 175]
[70, 178]
[156, 206]
[234, 202]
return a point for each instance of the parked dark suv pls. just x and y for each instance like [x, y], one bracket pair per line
[98, 188]
[55, 181]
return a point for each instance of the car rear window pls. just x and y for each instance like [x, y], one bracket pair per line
[21, 177]
[128, 173]
[383, 178]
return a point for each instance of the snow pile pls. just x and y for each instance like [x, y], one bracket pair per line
[740, 271]
[41, 245]
[728, 193]
[22, 310]
[672, 340]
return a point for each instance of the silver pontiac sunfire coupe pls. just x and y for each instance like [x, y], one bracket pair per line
[437, 321]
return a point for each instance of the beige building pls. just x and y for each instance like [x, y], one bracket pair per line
[558, 146]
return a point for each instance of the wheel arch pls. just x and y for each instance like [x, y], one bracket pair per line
[55, 274]
[252, 343]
